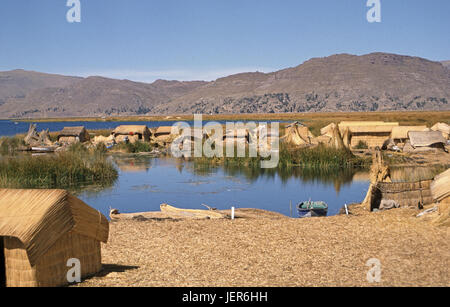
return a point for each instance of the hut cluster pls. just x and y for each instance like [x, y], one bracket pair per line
[70, 135]
[346, 134]
[387, 136]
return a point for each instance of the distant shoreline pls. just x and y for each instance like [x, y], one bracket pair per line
[398, 115]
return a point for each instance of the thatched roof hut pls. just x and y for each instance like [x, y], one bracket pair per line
[440, 188]
[328, 130]
[374, 134]
[73, 135]
[236, 134]
[401, 132]
[163, 132]
[426, 139]
[298, 134]
[443, 128]
[41, 230]
[333, 138]
[132, 133]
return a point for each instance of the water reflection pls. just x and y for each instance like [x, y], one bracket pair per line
[145, 182]
[335, 177]
[130, 164]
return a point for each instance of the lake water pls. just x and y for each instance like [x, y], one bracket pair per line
[11, 128]
[144, 183]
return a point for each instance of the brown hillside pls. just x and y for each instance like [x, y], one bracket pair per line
[373, 82]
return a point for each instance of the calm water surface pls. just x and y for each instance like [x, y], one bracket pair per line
[11, 128]
[144, 183]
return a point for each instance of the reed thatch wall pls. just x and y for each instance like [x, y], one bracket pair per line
[406, 194]
[374, 134]
[372, 140]
[51, 269]
[41, 228]
[441, 186]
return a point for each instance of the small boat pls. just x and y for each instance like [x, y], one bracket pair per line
[312, 209]
[43, 149]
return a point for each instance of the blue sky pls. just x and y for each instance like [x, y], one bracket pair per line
[144, 40]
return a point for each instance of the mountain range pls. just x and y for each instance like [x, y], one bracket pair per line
[343, 82]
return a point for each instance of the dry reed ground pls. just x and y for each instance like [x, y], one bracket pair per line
[277, 251]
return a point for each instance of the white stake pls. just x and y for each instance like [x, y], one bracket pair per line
[346, 209]
[232, 213]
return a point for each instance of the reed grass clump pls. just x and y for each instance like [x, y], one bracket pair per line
[319, 157]
[75, 167]
[291, 156]
[9, 145]
[136, 147]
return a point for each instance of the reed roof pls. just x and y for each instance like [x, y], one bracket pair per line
[367, 127]
[132, 129]
[401, 132]
[442, 127]
[440, 187]
[72, 131]
[164, 130]
[425, 138]
[39, 218]
[297, 134]
[237, 133]
[328, 130]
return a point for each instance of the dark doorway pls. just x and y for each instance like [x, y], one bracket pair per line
[2, 265]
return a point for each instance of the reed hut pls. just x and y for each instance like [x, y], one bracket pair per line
[406, 194]
[427, 140]
[400, 134]
[236, 136]
[163, 134]
[374, 134]
[188, 141]
[443, 128]
[298, 134]
[131, 133]
[263, 137]
[72, 135]
[335, 140]
[328, 130]
[40, 230]
[440, 188]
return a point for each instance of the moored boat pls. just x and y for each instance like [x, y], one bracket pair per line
[312, 209]
[43, 149]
